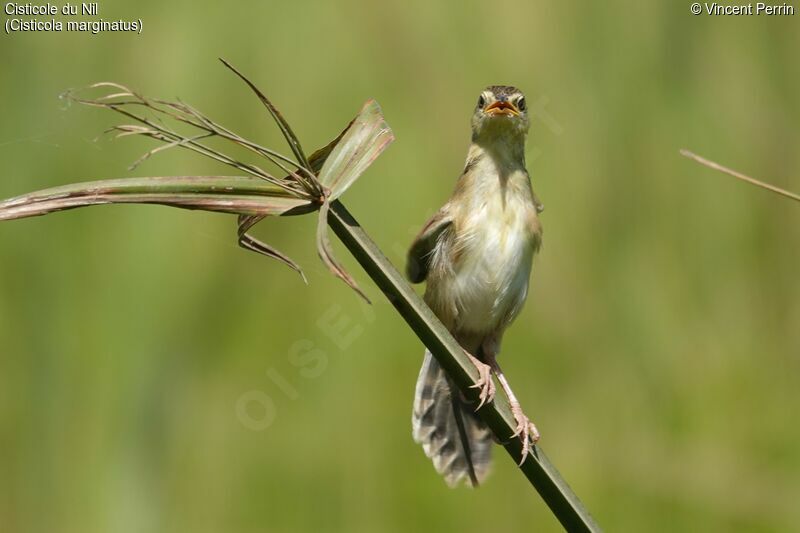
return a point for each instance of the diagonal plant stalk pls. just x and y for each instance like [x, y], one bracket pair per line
[311, 184]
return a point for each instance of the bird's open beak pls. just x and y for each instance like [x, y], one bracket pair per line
[502, 108]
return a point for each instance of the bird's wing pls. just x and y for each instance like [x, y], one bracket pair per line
[419, 255]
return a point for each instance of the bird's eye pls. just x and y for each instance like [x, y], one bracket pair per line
[521, 104]
[481, 101]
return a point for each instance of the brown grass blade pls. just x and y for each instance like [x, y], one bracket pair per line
[291, 138]
[739, 175]
[325, 251]
[249, 242]
[167, 114]
[227, 194]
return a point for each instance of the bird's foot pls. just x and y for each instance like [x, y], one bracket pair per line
[526, 430]
[484, 382]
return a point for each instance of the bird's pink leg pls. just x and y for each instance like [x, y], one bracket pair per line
[525, 429]
[484, 382]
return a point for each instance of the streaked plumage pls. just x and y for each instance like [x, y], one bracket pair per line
[475, 254]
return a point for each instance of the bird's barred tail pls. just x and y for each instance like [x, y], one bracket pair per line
[452, 435]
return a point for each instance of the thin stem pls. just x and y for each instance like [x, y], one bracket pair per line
[739, 175]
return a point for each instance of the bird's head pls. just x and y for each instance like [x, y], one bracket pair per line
[501, 113]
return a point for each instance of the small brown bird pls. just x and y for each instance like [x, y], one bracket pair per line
[476, 254]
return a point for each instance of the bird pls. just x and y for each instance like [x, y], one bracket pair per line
[475, 255]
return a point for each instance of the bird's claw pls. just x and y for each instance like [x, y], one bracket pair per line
[526, 430]
[484, 381]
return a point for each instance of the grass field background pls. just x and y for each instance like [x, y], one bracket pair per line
[142, 353]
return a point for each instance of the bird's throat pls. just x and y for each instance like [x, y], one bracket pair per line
[503, 145]
[497, 160]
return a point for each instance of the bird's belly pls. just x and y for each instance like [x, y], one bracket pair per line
[491, 276]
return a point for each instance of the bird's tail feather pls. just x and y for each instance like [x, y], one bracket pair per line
[452, 435]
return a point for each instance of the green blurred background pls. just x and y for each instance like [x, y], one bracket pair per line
[149, 371]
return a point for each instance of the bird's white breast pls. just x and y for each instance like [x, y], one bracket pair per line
[491, 250]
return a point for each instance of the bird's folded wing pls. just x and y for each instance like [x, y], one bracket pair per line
[419, 255]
